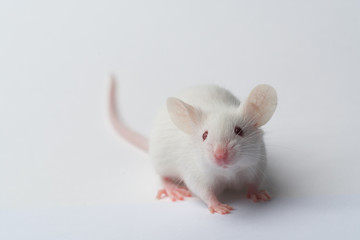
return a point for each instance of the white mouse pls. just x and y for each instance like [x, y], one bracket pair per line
[204, 141]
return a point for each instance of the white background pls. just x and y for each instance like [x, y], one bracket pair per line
[65, 174]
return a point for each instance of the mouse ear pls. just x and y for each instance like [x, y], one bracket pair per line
[183, 115]
[260, 105]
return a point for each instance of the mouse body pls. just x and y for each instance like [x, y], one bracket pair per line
[204, 140]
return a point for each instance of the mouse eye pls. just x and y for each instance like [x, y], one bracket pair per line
[238, 131]
[204, 136]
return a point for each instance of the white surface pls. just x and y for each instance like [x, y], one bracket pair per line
[60, 159]
[299, 218]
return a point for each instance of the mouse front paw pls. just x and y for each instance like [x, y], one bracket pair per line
[258, 196]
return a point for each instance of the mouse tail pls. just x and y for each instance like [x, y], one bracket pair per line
[124, 131]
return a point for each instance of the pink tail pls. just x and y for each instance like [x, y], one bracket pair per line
[127, 133]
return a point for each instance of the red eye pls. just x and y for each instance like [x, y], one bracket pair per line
[238, 131]
[205, 135]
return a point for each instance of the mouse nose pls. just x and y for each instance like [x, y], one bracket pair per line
[220, 153]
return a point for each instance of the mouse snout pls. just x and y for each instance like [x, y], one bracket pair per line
[221, 155]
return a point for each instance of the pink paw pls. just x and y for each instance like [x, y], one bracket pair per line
[173, 193]
[259, 196]
[220, 208]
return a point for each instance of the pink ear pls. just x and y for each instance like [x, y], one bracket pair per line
[183, 115]
[260, 105]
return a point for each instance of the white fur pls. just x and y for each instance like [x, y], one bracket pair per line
[178, 151]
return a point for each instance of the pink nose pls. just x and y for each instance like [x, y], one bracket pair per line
[220, 153]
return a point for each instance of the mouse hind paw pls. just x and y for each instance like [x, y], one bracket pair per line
[220, 208]
[173, 191]
[174, 194]
[259, 196]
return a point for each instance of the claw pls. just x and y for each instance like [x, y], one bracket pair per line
[161, 194]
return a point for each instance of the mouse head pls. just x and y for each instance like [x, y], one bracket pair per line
[227, 136]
